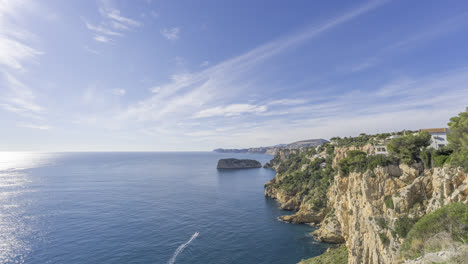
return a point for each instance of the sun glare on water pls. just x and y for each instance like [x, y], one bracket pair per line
[15, 232]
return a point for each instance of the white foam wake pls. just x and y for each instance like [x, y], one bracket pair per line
[181, 248]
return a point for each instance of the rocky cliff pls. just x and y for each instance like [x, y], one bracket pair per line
[367, 210]
[369, 206]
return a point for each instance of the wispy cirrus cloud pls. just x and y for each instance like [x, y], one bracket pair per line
[230, 110]
[113, 23]
[171, 33]
[425, 36]
[197, 96]
[34, 126]
[102, 39]
[208, 94]
[16, 51]
[203, 86]
[19, 98]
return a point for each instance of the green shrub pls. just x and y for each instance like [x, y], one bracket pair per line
[359, 161]
[451, 219]
[439, 161]
[403, 225]
[407, 148]
[379, 160]
[336, 256]
[381, 222]
[458, 139]
[389, 203]
[426, 157]
[384, 239]
[310, 184]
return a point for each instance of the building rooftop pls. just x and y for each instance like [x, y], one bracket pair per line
[434, 130]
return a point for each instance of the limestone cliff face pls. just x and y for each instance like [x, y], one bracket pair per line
[367, 206]
[340, 153]
[288, 201]
[362, 209]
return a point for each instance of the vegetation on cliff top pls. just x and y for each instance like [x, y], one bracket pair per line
[451, 219]
[364, 139]
[335, 255]
[359, 161]
[458, 139]
[407, 148]
[307, 177]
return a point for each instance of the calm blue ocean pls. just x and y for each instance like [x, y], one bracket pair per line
[142, 208]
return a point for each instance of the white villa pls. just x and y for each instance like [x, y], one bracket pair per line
[382, 148]
[438, 140]
[439, 137]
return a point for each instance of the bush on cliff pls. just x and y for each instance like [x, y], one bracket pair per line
[359, 141]
[336, 256]
[403, 225]
[408, 148]
[451, 219]
[309, 183]
[435, 158]
[359, 161]
[458, 139]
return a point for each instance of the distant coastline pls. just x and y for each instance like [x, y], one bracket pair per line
[273, 149]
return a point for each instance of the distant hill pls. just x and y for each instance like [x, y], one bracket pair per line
[272, 149]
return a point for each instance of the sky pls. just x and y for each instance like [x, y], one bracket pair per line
[115, 75]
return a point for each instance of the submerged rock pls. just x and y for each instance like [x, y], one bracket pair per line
[238, 164]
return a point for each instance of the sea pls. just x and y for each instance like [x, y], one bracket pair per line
[142, 207]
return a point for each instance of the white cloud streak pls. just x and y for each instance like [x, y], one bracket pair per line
[204, 85]
[112, 24]
[230, 110]
[16, 51]
[33, 126]
[171, 33]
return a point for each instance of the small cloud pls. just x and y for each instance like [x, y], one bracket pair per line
[112, 23]
[101, 30]
[119, 92]
[118, 26]
[40, 127]
[114, 14]
[155, 89]
[171, 33]
[205, 64]
[102, 39]
[178, 78]
[288, 102]
[88, 49]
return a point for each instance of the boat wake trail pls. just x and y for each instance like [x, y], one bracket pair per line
[181, 248]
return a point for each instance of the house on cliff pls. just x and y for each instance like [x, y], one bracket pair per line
[438, 137]
[381, 148]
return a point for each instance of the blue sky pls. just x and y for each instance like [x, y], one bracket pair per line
[196, 75]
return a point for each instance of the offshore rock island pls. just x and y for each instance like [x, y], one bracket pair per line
[238, 164]
[387, 198]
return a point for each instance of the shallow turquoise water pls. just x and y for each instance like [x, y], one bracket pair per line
[140, 208]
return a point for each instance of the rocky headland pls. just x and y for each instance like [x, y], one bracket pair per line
[238, 164]
[409, 206]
